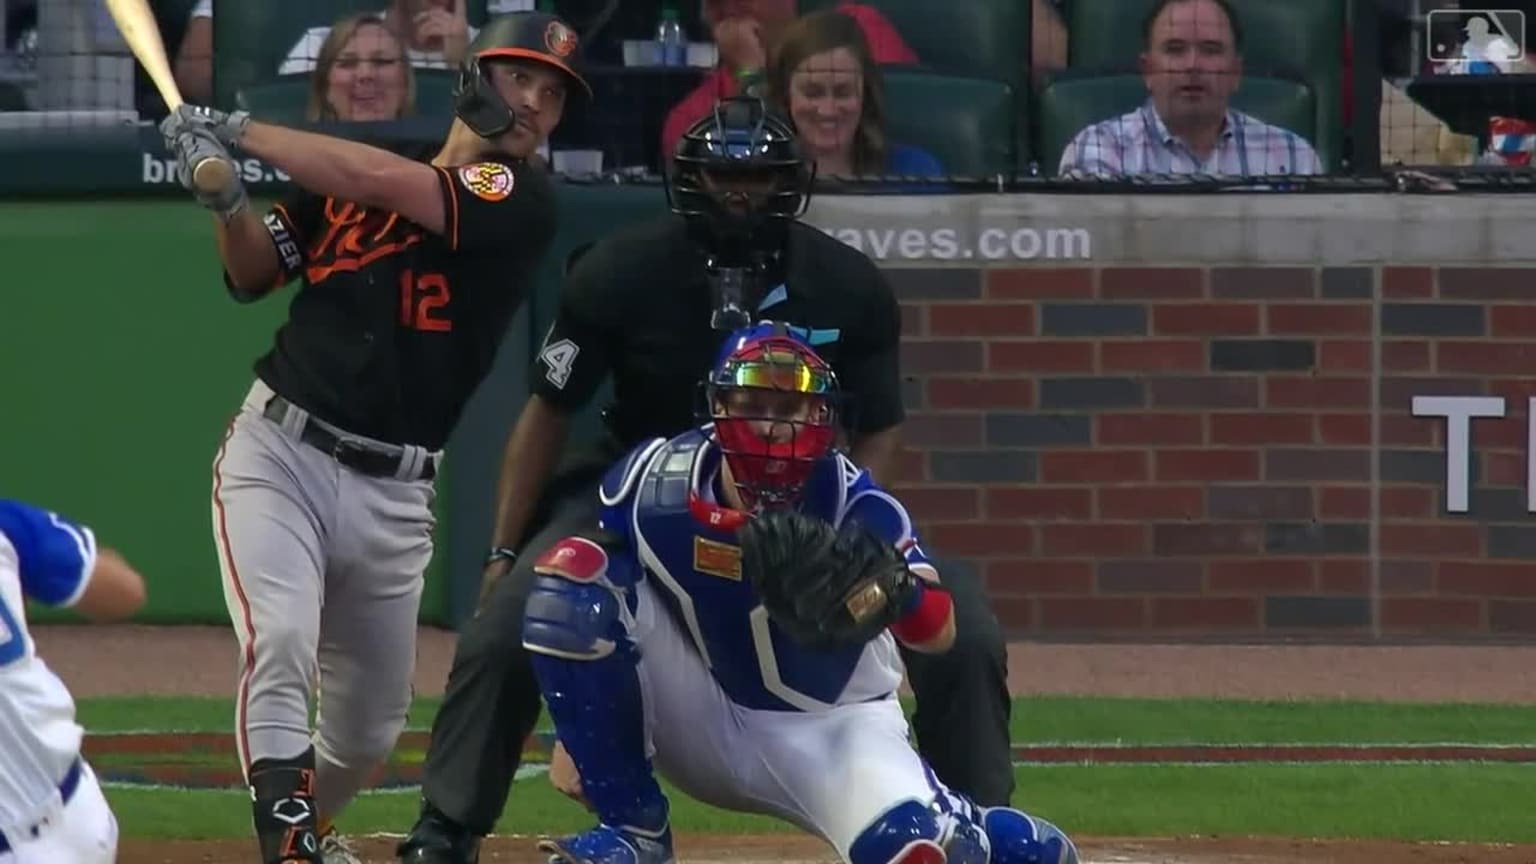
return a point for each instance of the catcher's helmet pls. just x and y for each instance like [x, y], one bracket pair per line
[536, 36]
[773, 401]
[738, 176]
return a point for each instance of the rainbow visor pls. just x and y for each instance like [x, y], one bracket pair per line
[786, 373]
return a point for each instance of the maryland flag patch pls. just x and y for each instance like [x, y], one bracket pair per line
[491, 181]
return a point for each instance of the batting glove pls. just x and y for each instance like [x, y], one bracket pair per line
[191, 148]
[226, 127]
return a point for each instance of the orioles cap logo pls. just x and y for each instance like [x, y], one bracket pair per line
[560, 39]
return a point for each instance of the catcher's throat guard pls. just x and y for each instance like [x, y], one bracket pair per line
[772, 400]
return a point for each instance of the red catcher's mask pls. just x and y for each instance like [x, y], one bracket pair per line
[772, 399]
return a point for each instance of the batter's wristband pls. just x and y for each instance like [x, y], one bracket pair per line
[498, 553]
[927, 618]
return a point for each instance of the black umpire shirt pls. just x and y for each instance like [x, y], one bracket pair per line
[636, 306]
[394, 326]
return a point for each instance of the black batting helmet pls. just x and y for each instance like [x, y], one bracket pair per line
[536, 36]
[739, 177]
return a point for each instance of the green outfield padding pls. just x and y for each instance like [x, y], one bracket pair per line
[124, 361]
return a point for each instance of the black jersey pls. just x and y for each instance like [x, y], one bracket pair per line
[394, 326]
[637, 306]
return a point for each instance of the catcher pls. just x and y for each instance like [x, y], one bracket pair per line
[734, 618]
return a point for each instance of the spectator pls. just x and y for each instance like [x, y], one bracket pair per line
[435, 33]
[1048, 39]
[1192, 64]
[825, 78]
[194, 56]
[361, 74]
[743, 31]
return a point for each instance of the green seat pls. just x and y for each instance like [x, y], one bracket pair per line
[971, 38]
[282, 99]
[252, 37]
[1070, 103]
[1303, 39]
[967, 123]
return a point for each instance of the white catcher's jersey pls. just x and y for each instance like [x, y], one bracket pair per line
[48, 559]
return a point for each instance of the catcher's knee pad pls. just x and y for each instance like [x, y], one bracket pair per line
[908, 833]
[1018, 838]
[572, 612]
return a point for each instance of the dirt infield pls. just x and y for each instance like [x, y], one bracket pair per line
[201, 661]
[743, 849]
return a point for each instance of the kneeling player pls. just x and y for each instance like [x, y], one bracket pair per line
[659, 636]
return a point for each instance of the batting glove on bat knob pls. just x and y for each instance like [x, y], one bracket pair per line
[226, 127]
[192, 148]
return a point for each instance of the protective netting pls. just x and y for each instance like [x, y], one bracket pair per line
[897, 96]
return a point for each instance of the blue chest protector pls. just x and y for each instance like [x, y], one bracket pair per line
[696, 570]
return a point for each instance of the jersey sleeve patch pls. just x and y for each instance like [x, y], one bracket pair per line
[490, 181]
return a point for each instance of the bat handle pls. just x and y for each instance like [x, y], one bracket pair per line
[212, 174]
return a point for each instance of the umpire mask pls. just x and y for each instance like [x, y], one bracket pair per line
[738, 180]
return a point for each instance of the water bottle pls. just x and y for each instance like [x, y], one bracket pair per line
[671, 45]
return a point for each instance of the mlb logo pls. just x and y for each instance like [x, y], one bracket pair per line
[1476, 41]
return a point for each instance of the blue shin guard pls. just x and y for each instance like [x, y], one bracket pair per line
[587, 671]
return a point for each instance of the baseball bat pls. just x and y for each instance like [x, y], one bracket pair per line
[137, 24]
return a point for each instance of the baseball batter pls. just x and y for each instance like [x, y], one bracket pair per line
[51, 808]
[653, 637]
[323, 489]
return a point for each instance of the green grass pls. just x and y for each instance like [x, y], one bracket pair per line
[1445, 801]
[1477, 802]
[1048, 719]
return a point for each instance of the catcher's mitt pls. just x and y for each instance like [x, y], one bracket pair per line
[826, 589]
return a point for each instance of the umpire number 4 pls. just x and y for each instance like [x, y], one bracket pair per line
[420, 297]
[559, 357]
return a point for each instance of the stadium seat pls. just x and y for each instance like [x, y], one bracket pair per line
[1301, 39]
[972, 38]
[252, 37]
[967, 123]
[282, 99]
[1072, 102]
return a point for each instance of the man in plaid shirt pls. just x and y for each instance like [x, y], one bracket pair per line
[1191, 66]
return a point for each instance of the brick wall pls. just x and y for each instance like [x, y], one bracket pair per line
[1191, 452]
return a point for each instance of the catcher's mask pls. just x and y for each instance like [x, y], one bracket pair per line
[773, 400]
[535, 37]
[738, 179]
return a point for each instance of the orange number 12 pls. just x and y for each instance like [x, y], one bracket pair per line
[418, 299]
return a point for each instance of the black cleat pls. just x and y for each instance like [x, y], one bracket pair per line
[436, 839]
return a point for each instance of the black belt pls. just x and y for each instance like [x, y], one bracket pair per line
[354, 454]
[66, 791]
